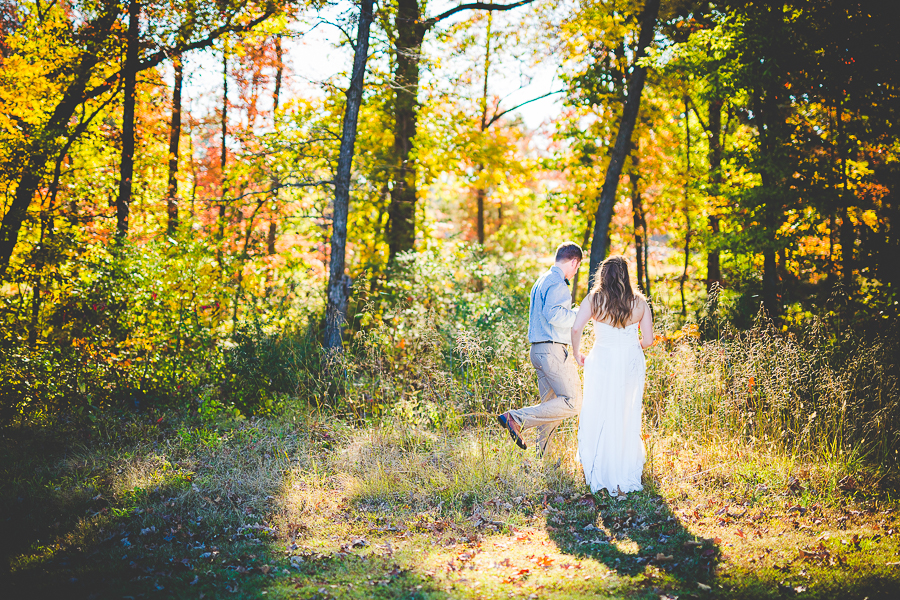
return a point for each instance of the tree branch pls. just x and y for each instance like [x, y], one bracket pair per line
[508, 110]
[697, 113]
[165, 53]
[473, 6]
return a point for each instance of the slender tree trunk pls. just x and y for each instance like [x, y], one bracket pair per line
[126, 167]
[270, 238]
[273, 225]
[647, 289]
[770, 283]
[279, 73]
[338, 282]
[714, 156]
[687, 211]
[480, 192]
[223, 156]
[847, 234]
[622, 145]
[479, 203]
[39, 264]
[402, 210]
[174, 138]
[637, 212]
[770, 267]
[584, 243]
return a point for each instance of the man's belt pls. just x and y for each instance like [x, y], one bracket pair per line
[548, 342]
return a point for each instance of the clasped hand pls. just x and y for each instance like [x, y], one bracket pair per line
[579, 358]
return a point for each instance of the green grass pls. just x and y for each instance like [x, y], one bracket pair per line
[309, 507]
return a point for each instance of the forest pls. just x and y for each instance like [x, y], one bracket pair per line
[265, 272]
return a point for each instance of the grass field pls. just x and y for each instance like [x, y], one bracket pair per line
[309, 507]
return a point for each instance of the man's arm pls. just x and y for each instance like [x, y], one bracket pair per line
[557, 306]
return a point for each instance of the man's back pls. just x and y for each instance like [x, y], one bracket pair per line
[550, 315]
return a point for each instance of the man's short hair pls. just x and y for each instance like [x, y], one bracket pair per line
[568, 251]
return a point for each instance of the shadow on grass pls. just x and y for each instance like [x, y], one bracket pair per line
[85, 520]
[640, 540]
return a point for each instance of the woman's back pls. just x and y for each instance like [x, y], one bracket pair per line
[610, 447]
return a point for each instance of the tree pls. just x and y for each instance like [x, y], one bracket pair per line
[89, 48]
[129, 77]
[623, 138]
[338, 282]
[174, 139]
[409, 30]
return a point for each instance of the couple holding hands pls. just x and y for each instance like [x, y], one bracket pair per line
[610, 447]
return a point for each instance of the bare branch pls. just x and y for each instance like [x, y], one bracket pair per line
[508, 110]
[342, 30]
[473, 6]
[166, 53]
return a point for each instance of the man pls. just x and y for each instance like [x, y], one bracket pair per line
[550, 320]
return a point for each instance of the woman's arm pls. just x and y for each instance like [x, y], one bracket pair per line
[581, 319]
[646, 326]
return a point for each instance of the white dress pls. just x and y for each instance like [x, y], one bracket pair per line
[609, 429]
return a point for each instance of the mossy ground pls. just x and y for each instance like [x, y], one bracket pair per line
[308, 507]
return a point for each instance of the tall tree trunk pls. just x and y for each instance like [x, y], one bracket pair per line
[714, 156]
[223, 156]
[479, 203]
[276, 100]
[647, 289]
[174, 138]
[770, 267]
[411, 28]
[480, 192]
[411, 31]
[279, 73]
[338, 282]
[129, 76]
[770, 283]
[584, 243]
[622, 145]
[686, 208]
[637, 213]
[848, 241]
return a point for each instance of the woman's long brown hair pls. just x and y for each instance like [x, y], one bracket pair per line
[612, 297]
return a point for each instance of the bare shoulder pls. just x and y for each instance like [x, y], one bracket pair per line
[640, 307]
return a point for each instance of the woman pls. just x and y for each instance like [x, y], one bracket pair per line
[609, 432]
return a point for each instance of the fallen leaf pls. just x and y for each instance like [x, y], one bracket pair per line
[660, 557]
[691, 544]
[544, 561]
[848, 483]
[703, 586]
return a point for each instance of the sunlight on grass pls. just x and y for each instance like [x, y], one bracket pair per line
[299, 506]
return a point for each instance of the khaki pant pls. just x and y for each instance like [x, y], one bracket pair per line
[560, 390]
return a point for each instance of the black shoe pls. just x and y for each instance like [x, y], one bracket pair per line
[504, 421]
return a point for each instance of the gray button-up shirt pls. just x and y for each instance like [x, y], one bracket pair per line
[550, 314]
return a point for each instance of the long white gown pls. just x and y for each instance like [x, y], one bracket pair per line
[609, 429]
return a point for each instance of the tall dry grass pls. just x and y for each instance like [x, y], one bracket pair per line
[813, 393]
